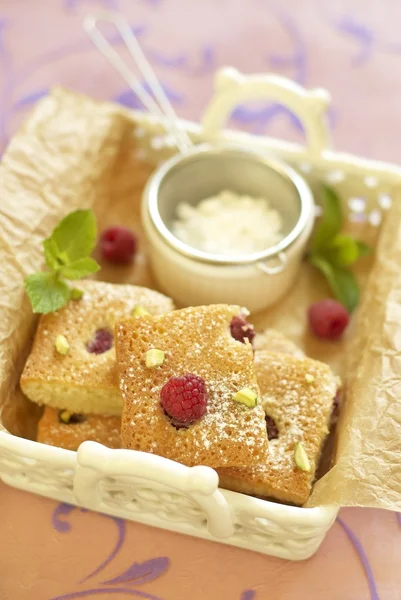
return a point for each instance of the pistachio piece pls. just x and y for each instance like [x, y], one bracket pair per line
[76, 294]
[301, 458]
[64, 416]
[62, 345]
[309, 378]
[139, 311]
[246, 396]
[154, 358]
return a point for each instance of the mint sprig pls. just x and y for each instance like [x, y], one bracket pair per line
[66, 254]
[332, 252]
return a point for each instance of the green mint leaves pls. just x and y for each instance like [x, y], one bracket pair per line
[66, 253]
[332, 219]
[46, 292]
[332, 252]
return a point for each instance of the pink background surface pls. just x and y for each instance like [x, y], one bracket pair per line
[353, 48]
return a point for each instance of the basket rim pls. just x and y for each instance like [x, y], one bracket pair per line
[315, 516]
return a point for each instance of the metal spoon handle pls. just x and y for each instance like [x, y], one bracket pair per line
[158, 104]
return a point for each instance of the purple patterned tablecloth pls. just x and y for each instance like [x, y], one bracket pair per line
[52, 551]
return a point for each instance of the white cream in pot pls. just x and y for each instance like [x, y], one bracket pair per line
[233, 272]
[229, 224]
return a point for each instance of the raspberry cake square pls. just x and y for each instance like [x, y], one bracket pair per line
[72, 364]
[297, 395]
[190, 402]
[67, 430]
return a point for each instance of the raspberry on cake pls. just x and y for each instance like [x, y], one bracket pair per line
[241, 330]
[184, 409]
[66, 430]
[184, 398]
[83, 379]
[297, 396]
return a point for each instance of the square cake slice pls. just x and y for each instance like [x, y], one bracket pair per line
[66, 430]
[84, 380]
[196, 342]
[297, 395]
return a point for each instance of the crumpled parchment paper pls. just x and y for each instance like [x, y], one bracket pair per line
[74, 152]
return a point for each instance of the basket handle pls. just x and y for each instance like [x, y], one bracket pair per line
[233, 88]
[95, 462]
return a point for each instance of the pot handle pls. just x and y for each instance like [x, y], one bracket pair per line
[274, 265]
[233, 88]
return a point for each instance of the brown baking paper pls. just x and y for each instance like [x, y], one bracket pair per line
[367, 470]
[74, 152]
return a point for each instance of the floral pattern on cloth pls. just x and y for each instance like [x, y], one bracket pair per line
[342, 46]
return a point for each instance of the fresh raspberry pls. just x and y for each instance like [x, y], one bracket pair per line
[101, 342]
[328, 319]
[271, 428]
[241, 330]
[118, 244]
[184, 399]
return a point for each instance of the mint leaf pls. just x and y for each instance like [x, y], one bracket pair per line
[364, 249]
[63, 258]
[341, 281]
[342, 251]
[73, 238]
[80, 268]
[332, 252]
[66, 253]
[331, 221]
[51, 254]
[46, 292]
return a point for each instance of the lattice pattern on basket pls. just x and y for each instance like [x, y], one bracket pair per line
[365, 198]
[34, 473]
[134, 496]
[275, 536]
[162, 503]
[258, 525]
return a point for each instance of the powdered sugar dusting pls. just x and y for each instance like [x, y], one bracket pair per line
[81, 381]
[300, 408]
[195, 340]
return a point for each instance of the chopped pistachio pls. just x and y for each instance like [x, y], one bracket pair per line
[309, 378]
[139, 311]
[65, 416]
[246, 396]
[154, 358]
[301, 458]
[62, 345]
[76, 294]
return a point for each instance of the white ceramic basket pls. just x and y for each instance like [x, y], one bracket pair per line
[156, 491]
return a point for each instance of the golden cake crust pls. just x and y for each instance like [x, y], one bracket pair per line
[196, 340]
[80, 381]
[298, 394]
[97, 428]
